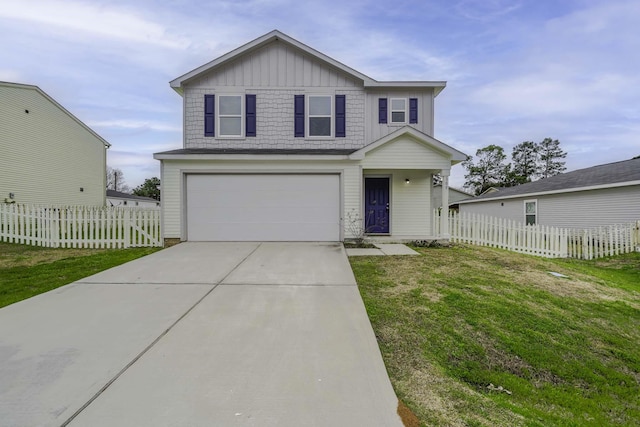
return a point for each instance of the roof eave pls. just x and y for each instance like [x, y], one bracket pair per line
[438, 86]
[250, 157]
[57, 104]
[561, 191]
[179, 82]
[454, 155]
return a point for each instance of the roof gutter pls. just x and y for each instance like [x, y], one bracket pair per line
[545, 193]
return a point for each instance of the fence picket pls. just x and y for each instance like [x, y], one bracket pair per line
[79, 227]
[540, 240]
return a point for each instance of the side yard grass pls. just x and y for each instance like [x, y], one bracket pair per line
[26, 271]
[474, 336]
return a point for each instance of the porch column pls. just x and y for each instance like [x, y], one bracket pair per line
[444, 214]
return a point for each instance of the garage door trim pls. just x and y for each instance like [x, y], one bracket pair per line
[186, 172]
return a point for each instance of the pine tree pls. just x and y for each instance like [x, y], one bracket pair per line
[550, 155]
[525, 158]
[489, 170]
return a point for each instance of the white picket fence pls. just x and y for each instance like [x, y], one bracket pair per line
[545, 241]
[80, 226]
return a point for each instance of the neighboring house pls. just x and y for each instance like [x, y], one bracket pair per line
[455, 195]
[284, 143]
[47, 155]
[118, 198]
[596, 196]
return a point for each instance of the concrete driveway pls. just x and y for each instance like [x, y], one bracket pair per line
[200, 334]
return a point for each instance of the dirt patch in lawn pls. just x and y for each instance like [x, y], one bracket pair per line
[30, 256]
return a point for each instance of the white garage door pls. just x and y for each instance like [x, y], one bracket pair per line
[266, 207]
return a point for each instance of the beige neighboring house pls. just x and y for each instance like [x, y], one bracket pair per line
[283, 143]
[47, 155]
[126, 200]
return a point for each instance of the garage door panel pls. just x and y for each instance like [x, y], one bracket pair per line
[273, 207]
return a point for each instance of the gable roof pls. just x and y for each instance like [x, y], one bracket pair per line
[618, 174]
[54, 102]
[276, 35]
[456, 156]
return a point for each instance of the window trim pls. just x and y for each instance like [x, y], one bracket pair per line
[242, 116]
[526, 214]
[308, 115]
[405, 111]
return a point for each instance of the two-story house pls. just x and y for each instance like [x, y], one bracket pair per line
[283, 143]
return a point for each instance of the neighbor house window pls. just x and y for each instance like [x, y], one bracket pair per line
[398, 110]
[320, 117]
[230, 115]
[531, 212]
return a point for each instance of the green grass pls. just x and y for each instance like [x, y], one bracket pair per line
[26, 271]
[480, 337]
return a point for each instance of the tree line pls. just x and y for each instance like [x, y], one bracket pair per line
[116, 181]
[530, 161]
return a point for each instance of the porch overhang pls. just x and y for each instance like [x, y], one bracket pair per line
[408, 132]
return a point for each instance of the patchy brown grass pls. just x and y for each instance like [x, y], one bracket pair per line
[481, 337]
[28, 256]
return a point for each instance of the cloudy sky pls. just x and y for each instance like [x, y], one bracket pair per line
[516, 69]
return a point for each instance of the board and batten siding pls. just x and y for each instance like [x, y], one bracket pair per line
[579, 209]
[173, 185]
[376, 130]
[46, 156]
[276, 65]
[274, 120]
[410, 215]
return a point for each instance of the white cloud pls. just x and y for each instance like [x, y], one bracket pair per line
[547, 93]
[135, 124]
[486, 9]
[93, 19]
[11, 76]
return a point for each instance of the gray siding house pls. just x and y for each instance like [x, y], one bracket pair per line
[597, 196]
[284, 143]
[47, 155]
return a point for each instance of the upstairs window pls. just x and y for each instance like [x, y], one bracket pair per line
[320, 115]
[230, 115]
[398, 110]
[531, 212]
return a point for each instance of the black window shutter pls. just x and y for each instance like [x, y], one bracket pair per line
[341, 115]
[209, 115]
[298, 105]
[413, 110]
[382, 110]
[250, 110]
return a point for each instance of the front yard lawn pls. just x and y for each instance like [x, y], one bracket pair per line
[474, 336]
[26, 271]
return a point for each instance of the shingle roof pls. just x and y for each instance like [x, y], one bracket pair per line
[601, 175]
[261, 151]
[121, 195]
[274, 35]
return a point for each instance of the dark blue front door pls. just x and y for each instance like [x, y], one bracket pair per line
[376, 205]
